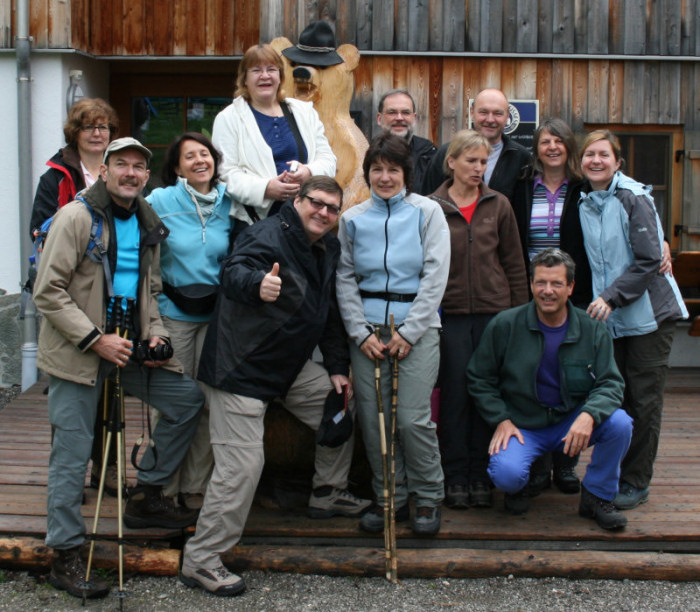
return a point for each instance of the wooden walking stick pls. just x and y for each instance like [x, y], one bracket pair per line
[388, 517]
[392, 461]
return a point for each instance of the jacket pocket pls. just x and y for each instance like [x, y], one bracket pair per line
[579, 376]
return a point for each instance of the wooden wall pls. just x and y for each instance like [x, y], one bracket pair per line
[225, 27]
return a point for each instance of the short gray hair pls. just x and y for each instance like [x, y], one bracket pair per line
[550, 258]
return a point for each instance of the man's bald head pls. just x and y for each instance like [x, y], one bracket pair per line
[490, 114]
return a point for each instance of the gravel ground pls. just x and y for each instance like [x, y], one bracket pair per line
[294, 593]
[21, 591]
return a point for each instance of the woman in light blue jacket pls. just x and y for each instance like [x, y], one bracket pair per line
[624, 241]
[395, 259]
[195, 208]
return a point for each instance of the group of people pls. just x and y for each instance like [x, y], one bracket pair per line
[530, 289]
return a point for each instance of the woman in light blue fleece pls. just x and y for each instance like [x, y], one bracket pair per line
[195, 208]
[639, 304]
[395, 258]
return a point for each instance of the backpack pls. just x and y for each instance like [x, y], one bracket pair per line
[95, 249]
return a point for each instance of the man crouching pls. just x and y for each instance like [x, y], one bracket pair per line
[544, 373]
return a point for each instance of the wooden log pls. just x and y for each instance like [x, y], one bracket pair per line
[32, 554]
[466, 563]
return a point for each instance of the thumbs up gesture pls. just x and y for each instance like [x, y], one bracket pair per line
[271, 284]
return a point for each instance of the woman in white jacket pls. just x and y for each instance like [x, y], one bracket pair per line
[270, 144]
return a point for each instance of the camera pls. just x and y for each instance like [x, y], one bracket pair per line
[143, 352]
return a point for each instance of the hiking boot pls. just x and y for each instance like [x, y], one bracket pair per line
[480, 494]
[327, 501]
[111, 481]
[218, 581]
[566, 480]
[373, 520]
[148, 507]
[602, 510]
[190, 501]
[457, 496]
[630, 497]
[517, 503]
[426, 520]
[539, 481]
[68, 574]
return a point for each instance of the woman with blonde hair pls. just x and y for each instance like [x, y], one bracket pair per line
[639, 304]
[270, 144]
[487, 275]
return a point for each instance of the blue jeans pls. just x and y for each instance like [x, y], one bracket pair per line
[510, 469]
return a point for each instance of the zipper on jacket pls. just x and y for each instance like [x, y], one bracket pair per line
[469, 264]
[386, 252]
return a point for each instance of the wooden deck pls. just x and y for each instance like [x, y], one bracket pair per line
[661, 541]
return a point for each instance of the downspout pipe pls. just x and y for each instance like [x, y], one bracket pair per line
[24, 128]
[28, 317]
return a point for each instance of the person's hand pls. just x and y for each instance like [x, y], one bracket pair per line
[339, 381]
[113, 348]
[504, 432]
[666, 263]
[271, 284]
[599, 309]
[579, 435]
[152, 343]
[280, 189]
[398, 345]
[373, 347]
[299, 176]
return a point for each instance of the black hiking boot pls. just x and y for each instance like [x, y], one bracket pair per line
[148, 507]
[68, 574]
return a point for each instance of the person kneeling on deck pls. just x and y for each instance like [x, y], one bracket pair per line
[544, 374]
[79, 354]
[276, 303]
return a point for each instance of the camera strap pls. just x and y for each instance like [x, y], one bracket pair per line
[145, 423]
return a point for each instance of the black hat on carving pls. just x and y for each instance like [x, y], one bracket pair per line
[316, 46]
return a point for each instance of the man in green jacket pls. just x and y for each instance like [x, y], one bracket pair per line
[544, 373]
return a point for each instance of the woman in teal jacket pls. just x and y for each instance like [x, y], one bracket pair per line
[195, 208]
[624, 240]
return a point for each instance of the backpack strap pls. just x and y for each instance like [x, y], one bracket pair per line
[96, 250]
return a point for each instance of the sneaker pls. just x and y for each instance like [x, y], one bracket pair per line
[218, 581]
[68, 574]
[602, 510]
[111, 480]
[373, 520]
[566, 480]
[517, 503]
[148, 507]
[457, 496]
[630, 497]
[480, 494]
[190, 501]
[426, 520]
[328, 501]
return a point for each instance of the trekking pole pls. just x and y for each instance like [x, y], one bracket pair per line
[385, 463]
[392, 461]
[114, 425]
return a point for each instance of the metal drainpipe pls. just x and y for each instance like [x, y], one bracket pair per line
[24, 150]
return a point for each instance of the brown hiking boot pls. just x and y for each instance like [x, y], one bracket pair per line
[148, 507]
[68, 574]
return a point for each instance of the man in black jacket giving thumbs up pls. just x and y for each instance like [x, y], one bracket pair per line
[276, 304]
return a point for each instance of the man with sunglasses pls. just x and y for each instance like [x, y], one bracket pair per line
[276, 304]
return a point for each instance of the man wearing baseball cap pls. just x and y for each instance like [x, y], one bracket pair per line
[101, 253]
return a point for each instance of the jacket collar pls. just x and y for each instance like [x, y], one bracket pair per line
[442, 196]
[401, 195]
[573, 332]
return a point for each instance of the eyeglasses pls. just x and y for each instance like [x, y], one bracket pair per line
[394, 112]
[271, 70]
[332, 209]
[102, 128]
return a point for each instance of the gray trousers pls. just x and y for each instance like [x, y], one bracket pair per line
[418, 470]
[643, 363]
[187, 339]
[72, 412]
[237, 428]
